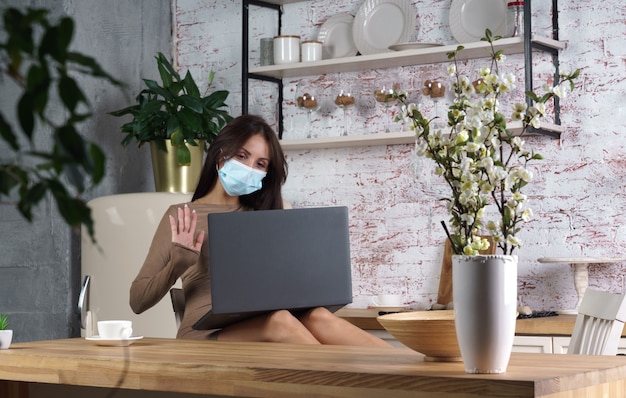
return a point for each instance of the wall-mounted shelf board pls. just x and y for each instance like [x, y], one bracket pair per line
[282, 1]
[395, 138]
[511, 45]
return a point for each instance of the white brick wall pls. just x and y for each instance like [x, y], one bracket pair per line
[578, 194]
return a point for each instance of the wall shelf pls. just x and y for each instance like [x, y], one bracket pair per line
[280, 2]
[395, 138]
[511, 45]
[526, 45]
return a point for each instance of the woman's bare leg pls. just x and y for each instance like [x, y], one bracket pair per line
[331, 329]
[277, 327]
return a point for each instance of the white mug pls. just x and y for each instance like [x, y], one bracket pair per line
[311, 50]
[286, 49]
[387, 300]
[118, 330]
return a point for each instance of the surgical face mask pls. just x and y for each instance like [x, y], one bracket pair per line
[239, 179]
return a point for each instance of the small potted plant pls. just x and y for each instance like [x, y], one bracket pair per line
[6, 335]
[175, 115]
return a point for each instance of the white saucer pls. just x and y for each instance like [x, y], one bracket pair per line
[388, 308]
[412, 46]
[114, 342]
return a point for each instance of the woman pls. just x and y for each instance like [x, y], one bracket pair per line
[244, 170]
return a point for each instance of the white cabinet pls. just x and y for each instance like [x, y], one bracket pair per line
[560, 345]
[534, 344]
[551, 344]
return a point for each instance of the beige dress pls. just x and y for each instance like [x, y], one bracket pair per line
[167, 261]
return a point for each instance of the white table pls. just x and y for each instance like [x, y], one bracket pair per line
[581, 272]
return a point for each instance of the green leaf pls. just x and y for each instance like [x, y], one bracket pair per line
[56, 40]
[172, 125]
[532, 96]
[193, 103]
[29, 197]
[70, 93]
[183, 155]
[154, 88]
[177, 138]
[74, 211]
[38, 85]
[166, 70]
[6, 132]
[71, 143]
[190, 85]
[25, 115]
[190, 120]
[73, 174]
[10, 177]
[216, 99]
[91, 67]
[98, 158]
[65, 34]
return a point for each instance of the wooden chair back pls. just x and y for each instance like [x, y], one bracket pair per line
[599, 324]
[444, 295]
[178, 304]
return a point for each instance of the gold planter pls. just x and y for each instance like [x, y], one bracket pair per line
[169, 176]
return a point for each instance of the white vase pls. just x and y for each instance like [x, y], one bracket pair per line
[5, 339]
[484, 289]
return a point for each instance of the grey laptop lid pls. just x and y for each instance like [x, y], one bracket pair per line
[268, 260]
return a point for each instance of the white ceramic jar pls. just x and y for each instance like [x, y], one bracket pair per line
[311, 50]
[286, 49]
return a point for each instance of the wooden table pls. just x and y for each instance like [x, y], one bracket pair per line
[560, 325]
[285, 370]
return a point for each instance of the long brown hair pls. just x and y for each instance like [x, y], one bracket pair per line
[230, 141]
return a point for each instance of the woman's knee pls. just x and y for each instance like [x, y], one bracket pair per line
[319, 315]
[280, 324]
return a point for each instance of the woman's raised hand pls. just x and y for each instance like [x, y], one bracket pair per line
[184, 229]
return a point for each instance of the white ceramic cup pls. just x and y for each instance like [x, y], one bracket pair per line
[311, 50]
[387, 300]
[115, 329]
[286, 49]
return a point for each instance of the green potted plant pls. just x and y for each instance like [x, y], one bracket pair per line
[45, 152]
[6, 335]
[175, 115]
[485, 166]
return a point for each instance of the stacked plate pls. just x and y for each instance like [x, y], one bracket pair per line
[386, 25]
[470, 18]
[336, 36]
[377, 25]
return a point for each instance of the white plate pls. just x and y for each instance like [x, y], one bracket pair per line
[114, 342]
[388, 308]
[470, 18]
[336, 36]
[381, 23]
[412, 46]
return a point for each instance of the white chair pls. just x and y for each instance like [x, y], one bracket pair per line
[599, 324]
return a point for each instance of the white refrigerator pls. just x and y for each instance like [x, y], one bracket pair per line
[124, 226]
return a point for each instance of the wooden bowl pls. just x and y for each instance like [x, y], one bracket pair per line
[431, 333]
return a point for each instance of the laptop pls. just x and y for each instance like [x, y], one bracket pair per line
[267, 260]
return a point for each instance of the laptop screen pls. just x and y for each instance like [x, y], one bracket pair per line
[268, 260]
